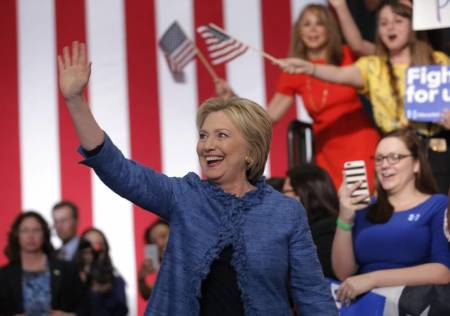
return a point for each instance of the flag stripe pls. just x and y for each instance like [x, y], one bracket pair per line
[246, 74]
[75, 178]
[109, 100]
[143, 102]
[215, 47]
[277, 29]
[9, 122]
[230, 56]
[206, 11]
[177, 118]
[40, 176]
[181, 58]
[227, 47]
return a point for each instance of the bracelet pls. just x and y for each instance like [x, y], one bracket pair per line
[344, 226]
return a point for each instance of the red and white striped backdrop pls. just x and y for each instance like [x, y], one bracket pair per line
[147, 114]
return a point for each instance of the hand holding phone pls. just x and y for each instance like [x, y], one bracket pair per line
[152, 252]
[355, 178]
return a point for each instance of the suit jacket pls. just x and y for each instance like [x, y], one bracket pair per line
[65, 286]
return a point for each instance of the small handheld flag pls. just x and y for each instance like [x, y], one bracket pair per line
[177, 47]
[222, 47]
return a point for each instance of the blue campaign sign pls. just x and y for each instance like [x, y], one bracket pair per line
[427, 92]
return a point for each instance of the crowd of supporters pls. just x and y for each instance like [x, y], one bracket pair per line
[394, 236]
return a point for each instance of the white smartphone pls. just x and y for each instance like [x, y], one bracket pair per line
[152, 252]
[355, 171]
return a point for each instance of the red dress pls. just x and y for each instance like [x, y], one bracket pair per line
[341, 128]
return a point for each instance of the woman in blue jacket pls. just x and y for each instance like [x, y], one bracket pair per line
[236, 246]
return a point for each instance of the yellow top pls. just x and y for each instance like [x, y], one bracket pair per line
[376, 86]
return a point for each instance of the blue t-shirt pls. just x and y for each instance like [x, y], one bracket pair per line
[410, 237]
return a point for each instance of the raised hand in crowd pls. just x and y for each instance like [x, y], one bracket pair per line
[350, 30]
[146, 268]
[348, 204]
[295, 65]
[223, 89]
[74, 73]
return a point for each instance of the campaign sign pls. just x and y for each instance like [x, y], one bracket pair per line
[427, 92]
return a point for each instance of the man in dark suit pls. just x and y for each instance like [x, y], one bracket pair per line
[65, 222]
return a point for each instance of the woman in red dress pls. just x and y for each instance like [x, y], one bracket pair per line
[341, 128]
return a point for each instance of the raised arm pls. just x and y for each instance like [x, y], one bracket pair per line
[74, 72]
[350, 30]
[348, 75]
[278, 106]
[342, 255]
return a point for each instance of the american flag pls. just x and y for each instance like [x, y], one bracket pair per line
[177, 47]
[222, 47]
[133, 96]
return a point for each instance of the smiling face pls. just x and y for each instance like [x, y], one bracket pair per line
[221, 150]
[398, 176]
[31, 235]
[394, 30]
[312, 31]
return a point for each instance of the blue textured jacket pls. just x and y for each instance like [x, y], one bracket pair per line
[273, 252]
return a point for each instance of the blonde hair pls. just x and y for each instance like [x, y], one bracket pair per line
[334, 41]
[252, 121]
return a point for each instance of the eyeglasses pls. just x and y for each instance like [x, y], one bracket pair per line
[391, 158]
[34, 231]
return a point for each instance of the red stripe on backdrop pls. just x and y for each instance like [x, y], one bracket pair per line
[9, 122]
[143, 102]
[75, 178]
[276, 24]
[206, 11]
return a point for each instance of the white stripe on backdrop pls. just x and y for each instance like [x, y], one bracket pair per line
[42, 180]
[38, 111]
[177, 110]
[106, 44]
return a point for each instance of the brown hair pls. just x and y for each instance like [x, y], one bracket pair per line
[381, 211]
[65, 203]
[421, 51]
[334, 42]
[12, 250]
[252, 121]
[316, 191]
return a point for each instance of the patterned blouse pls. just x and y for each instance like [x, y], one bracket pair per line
[36, 292]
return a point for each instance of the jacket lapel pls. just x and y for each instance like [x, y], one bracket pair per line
[55, 281]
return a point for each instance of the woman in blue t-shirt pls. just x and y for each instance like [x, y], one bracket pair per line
[398, 240]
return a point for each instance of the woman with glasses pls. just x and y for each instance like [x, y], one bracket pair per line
[33, 283]
[398, 239]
